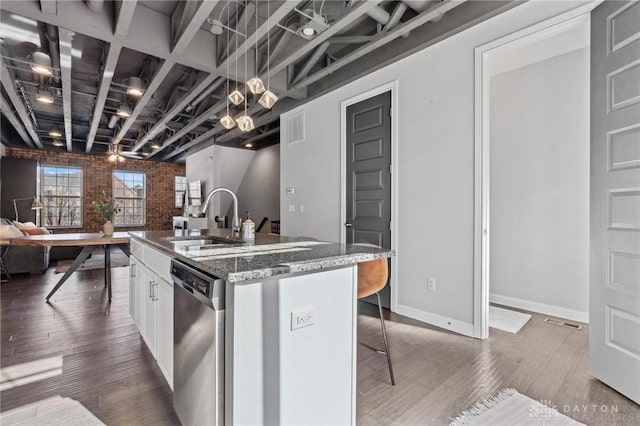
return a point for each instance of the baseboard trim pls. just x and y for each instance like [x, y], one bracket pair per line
[441, 321]
[541, 308]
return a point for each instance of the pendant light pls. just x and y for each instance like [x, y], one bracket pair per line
[268, 98]
[245, 123]
[226, 121]
[135, 87]
[236, 97]
[255, 84]
[44, 96]
[55, 131]
[41, 63]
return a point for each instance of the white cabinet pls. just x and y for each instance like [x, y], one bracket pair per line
[150, 324]
[151, 303]
[165, 329]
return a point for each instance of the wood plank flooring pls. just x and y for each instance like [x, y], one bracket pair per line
[107, 367]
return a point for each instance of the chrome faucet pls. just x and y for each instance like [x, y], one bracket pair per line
[235, 225]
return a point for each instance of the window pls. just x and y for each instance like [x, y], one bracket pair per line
[181, 188]
[61, 197]
[129, 190]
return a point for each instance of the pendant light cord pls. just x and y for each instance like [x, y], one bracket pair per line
[268, 45]
[228, 39]
[246, 52]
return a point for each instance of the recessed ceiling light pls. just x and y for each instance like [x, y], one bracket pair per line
[156, 145]
[41, 63]
[57, 143]
[44, 96]
[144, 153]
[248, 145]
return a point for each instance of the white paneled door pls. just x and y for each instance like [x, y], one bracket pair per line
[614, 331]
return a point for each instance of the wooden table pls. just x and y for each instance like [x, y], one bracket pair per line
[86, 240]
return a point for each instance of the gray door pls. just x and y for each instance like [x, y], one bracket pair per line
[369, 174]
[614, 312]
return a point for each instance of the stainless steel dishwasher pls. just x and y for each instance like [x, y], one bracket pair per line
[198, 346]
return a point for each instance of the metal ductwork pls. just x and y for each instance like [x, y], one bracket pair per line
[379, 14]
[54, 51]
[201, 97]
[113, 121]
[95, 5]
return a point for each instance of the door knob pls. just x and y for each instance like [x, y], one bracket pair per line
[348, 225]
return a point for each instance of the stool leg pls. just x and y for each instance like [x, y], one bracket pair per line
[386, 343]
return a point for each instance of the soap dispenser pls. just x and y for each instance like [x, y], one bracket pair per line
[248, 229]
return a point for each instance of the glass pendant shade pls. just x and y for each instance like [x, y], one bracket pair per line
[236, 97]
[245, 123]
[41, 63]
[227, 122]
[268, 99]
[256, 85]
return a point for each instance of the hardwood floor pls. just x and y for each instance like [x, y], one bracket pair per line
[107, 367]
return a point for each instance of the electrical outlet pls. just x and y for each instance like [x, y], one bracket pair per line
[431, 284]
[292, 208]
[303, 318]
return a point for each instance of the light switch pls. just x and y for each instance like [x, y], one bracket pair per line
[292, 208]
[291, 190]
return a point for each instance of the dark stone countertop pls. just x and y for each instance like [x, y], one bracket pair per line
[232, 259]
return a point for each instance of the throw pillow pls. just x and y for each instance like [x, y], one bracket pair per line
[8, 232]
[18, 225]
[29, 225]
[34, 231]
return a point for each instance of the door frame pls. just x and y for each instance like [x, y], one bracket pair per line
[392, 87]
[481, 220]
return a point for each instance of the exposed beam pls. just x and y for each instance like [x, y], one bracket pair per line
[243, 21]
[156, 80]
[66, 40]
[7, 111]
[10, 87]
[49, 6]
[313, 59]
[262, 135]
[351, 16]
[126, 10]
[397, 14]
[194, 123]
[276, 16]
[382, 39]
[191, 19]
[277, 49]
[350, 39]
[109, 69]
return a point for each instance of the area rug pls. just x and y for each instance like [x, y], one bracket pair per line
[507, 320]
[51, 411]
[509, 408]
[96, 261]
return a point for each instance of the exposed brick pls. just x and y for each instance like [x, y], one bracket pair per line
[96, 176]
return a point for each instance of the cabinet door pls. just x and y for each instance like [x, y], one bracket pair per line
[165, 330]
[133, 287]
[150, 323]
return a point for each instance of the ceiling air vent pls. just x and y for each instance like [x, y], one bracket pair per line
[295, 128]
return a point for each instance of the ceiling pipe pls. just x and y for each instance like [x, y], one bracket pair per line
[396, 16]
[379, 14]
[112, 121]
[201, 97]
[54, 51]
[95, 5]
[422, 5]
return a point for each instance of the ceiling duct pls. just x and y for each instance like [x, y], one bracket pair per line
[379, 14]
[54, 51]
[95, 5]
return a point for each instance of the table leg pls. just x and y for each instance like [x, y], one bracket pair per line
[75, 265]
[107, 269]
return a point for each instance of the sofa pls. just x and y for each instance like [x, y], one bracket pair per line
[20, 260]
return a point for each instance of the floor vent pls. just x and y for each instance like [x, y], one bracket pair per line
[563, 323]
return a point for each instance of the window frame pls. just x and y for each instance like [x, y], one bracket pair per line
[144, 199]
[43, 196]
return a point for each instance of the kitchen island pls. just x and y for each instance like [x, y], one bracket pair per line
[289, 315]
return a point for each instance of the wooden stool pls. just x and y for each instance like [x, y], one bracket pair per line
[372, 277]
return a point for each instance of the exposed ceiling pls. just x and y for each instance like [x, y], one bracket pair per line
[183, 58]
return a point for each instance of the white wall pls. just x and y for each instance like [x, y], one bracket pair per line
[435, 173]
[539, 186]
[218, 166]
[259, 191]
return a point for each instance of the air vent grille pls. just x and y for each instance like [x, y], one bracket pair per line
[562, 323]
[295, 128]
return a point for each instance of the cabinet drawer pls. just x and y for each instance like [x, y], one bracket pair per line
[158, 262]
[136, 249]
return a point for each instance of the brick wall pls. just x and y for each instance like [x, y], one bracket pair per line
[96, 175]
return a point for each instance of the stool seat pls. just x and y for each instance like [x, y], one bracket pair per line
[372, 277]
